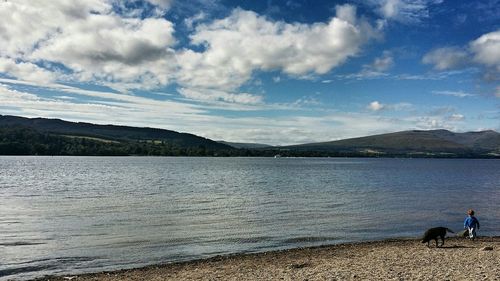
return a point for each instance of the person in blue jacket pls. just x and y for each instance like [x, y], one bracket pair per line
[471, 223]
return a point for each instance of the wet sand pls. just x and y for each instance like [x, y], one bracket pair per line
[459, 259]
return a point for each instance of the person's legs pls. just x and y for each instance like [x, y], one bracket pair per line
[472, 233]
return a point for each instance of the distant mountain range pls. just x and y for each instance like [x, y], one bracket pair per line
[41, 136]
[413, 143]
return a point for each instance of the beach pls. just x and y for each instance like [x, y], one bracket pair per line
[402, 259]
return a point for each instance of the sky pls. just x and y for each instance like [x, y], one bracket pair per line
[274, 72]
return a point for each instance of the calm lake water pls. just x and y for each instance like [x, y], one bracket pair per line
[67, 215]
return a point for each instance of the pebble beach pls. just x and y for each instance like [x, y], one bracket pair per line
[458, 259]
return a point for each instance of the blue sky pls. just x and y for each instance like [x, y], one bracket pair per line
[275, 72]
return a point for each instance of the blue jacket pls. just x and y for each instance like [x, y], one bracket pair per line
[471, 221]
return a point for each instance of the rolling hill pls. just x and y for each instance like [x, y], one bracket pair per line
[413, 143]
[109, 132]
[40, 136]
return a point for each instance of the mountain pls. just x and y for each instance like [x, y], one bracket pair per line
[109, 132]
[413, 143]
[243, 145]
[40, 136]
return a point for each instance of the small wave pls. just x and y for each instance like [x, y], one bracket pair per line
[42, 264]
[26, 195]
[335, 205]
[244, 240]
[20, 243]
[24, 269]
[10, 222]
[120, 244]
[308, 239]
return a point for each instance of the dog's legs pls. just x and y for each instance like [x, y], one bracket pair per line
[436, 239]
[442, 238]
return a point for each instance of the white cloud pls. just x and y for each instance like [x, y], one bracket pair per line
[137, 111]
[27, 70]
[109, 43]
[382, 63]
[483, 51]
[114, 49]
[217, 95]
[307, 101]
[459, 94]
[376, 69]
[446, 58]
[405, 11]
[375, 106]
[305, 129]
[456, 117]
[27, 23]
[234, 49]
[486, 49]
[87, 37]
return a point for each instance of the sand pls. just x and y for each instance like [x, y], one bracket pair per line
[459, 259]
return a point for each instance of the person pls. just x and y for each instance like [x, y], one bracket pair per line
[471, 223]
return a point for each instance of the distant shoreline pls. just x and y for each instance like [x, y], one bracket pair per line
[41, 136]
[373, 260]
[255, 156]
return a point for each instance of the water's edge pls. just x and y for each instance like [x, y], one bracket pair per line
[215, 258]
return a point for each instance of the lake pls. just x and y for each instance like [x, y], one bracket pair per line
[68, 215]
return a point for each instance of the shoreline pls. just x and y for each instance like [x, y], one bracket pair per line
[389, 259]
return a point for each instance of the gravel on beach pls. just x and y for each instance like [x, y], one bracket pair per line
[458, 259]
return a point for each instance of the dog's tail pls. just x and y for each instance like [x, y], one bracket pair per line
[449, 230]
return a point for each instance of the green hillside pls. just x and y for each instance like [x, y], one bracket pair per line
[40, 136]
[416, 142]
[25, 136]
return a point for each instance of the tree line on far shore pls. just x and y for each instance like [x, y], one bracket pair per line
[28, 141]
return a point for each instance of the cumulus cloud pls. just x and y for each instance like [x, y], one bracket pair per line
[483, 51]
[104, 42]
[115, 49]
[26, 23]
[233, 48]
[28, 71]
[446, 58]
[89, 39]
[486, 49]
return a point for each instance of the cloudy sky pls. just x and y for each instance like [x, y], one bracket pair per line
[267, 71]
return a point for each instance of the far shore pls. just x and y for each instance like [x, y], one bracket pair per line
[401, 259]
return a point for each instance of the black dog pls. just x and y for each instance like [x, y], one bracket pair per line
[434, 233]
